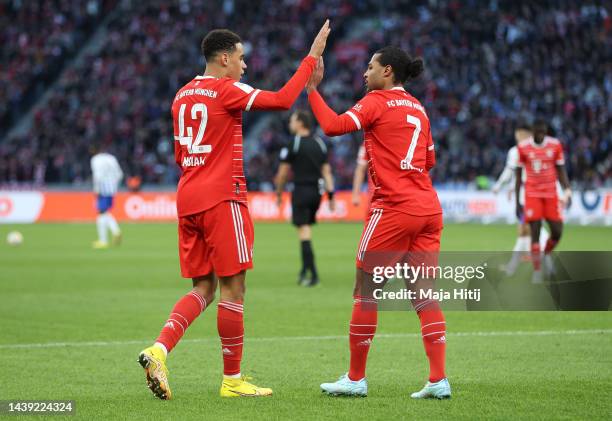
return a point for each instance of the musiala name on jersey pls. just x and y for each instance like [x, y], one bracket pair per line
[428, 294]
[193, 161]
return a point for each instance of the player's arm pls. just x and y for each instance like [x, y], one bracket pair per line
[280, 180]
[358, 179]
[518, 176]
[328, 179]
[430, 155]
[118, 171]
[564, 180]
[562, 176]
[506, 176]
[283, 99]
[521, 161]
[95, 174]
[282, 175]
[331, 123]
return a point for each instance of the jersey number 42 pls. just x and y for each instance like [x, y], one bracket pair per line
[193, 145]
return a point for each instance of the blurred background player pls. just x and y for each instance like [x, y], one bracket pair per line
[106, 176]
[306, 155]
[214, 224]
[541, 157]
[506, 178]
[405, 215]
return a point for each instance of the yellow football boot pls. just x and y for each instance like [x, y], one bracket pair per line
[153, 360]
[233, 388]
[99, 245]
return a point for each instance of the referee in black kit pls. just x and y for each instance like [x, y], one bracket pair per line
[306, 154]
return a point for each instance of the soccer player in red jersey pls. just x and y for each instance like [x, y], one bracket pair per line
[214, 228]
[405, 213]
[542, 158]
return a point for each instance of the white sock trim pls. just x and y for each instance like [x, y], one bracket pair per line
[232, 376]
[162, 347]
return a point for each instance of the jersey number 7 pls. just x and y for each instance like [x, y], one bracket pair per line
[406, 163]
[193, 146]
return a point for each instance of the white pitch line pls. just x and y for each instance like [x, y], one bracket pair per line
[312, 338]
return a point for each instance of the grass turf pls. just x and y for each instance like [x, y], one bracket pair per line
[54, 289]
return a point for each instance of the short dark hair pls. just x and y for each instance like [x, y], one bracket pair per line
[522, 125]
[404, 67]
[540, 125]
[219, 41]
[305, 117]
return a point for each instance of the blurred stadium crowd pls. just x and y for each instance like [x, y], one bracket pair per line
[488, 64]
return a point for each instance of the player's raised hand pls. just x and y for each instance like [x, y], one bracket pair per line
[318, 45]
[316, 77]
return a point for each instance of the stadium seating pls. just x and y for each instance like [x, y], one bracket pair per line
[486, 68]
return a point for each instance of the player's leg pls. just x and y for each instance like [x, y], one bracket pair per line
[424, 251]
[186, 310]
[362, 327]
[544, 236]
[195, 263]
[111, 223]
[521, 247]
[299, 218]
[230, 323]
[305, 236]
[380, 233]
[536, 251]
[230, 235]
[314, 201]
[102, 204]
[534, 213]
[553, 216]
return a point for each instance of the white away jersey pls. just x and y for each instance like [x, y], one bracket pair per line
[107, 174]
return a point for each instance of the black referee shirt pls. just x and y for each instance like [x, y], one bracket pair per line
[306, 156]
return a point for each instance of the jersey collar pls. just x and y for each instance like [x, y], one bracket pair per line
[200, 77]
[398, 88]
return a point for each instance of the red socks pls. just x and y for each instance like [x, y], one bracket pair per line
[183, 314]
[536, 255]
[433, 330]
[361, 333]
[230, 324]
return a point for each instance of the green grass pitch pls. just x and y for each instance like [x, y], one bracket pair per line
[73, 321]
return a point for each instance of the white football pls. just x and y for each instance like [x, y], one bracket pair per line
[14, 238]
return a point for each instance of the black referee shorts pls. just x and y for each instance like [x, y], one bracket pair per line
[305, 202]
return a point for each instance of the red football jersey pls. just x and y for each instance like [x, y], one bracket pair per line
[540, 164]
[207, 114]
[398, 143]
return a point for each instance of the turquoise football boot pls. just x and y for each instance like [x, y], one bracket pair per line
[438, 390]
[346, 387]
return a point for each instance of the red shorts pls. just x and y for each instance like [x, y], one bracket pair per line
[390, 235]
[538, 208]
[219, 239]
